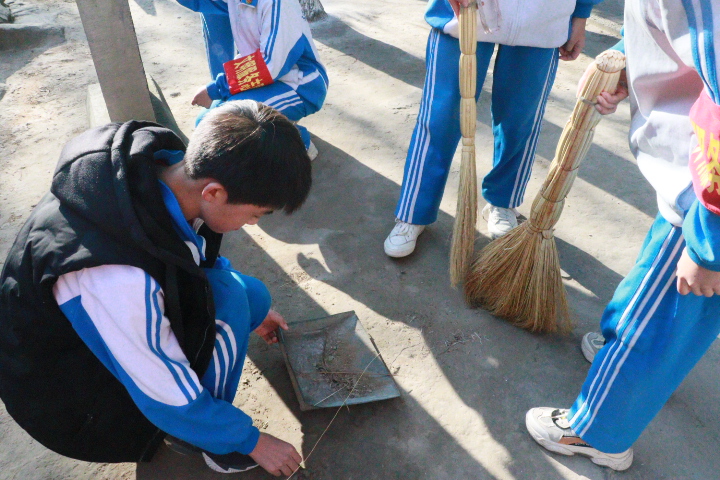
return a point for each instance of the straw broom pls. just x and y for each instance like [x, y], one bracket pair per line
[517, 277]
[463, 238]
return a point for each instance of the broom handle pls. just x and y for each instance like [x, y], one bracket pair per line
[468, 72]
[575, 141]
[463, 241]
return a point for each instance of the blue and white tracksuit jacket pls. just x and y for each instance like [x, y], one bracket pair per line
[277, 28]
[528, 37]
[654, 335]
[118, 311]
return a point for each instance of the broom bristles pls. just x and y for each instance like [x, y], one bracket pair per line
[463, 237]
[517, 277]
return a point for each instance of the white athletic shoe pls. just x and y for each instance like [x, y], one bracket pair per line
[550, 428]
[591, 344]
[312, 151]
[402, 239]
[500, 220]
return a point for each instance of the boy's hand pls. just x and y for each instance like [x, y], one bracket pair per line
[691, 277]
[268, 328]
[606, 103]
[202, 98]
[276, 456]
[574, 46]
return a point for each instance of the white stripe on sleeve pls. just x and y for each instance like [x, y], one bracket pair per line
[126, 307]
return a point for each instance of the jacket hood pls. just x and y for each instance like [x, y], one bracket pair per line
[107, 176]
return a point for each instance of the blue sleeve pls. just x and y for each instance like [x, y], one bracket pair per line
[701, 230]
[134, 341]
[219, 41]
[583, 8]
[210, 7]
[222, 263]
[620, 46]
[219, 89]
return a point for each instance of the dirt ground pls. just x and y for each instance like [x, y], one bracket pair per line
[466, 378]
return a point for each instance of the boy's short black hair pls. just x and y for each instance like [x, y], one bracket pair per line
[255, 152]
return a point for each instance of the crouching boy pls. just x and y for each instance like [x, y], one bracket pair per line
[120, 325]
[277, 62]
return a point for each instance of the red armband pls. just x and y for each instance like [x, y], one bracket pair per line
[247, 72]
[704, 166]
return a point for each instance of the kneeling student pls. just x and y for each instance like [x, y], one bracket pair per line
[120, 325]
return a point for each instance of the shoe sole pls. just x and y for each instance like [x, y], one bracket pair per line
[182, 449]
[618, 462]
[399, 254]
[214, 466]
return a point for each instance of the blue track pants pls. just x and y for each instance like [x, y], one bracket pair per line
[522, 80]
[219, 43]
[241, 304]
[654, 338]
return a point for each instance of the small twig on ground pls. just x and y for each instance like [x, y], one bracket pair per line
[460, 338]
[400, 352]
[334, 416]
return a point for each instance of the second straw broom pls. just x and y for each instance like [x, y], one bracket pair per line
[517, 276]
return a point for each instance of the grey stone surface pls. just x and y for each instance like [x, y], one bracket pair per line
[23, 36]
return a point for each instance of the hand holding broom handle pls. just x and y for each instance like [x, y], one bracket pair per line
[517, 277]
[463, 239]
[575, 141]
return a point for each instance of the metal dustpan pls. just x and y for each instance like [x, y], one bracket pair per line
[326, 358]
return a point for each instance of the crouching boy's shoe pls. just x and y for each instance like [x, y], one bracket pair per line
[233, 462]
[551, 429]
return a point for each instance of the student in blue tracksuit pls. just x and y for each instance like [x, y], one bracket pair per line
[529, 37]
[285, 69]
[120, 325]
[666, 313]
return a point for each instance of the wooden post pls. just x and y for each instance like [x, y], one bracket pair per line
[113, 44]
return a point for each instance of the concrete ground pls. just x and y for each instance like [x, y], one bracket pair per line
[466, 377]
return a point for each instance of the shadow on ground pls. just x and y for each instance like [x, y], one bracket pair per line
[400, 438]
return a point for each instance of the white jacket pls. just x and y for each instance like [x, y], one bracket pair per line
[665, 80]
[531, 23]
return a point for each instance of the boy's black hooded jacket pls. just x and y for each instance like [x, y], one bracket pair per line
[104, 207]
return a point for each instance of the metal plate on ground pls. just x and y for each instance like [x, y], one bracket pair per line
[326, 358]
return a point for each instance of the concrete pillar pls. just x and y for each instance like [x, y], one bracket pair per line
[113, 44]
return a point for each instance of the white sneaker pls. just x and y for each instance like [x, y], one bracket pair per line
[550, 428]
[401, 241]
[591, 344]
[312, 151]
[500, 220]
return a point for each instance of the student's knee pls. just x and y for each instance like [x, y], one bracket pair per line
[259, 300]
